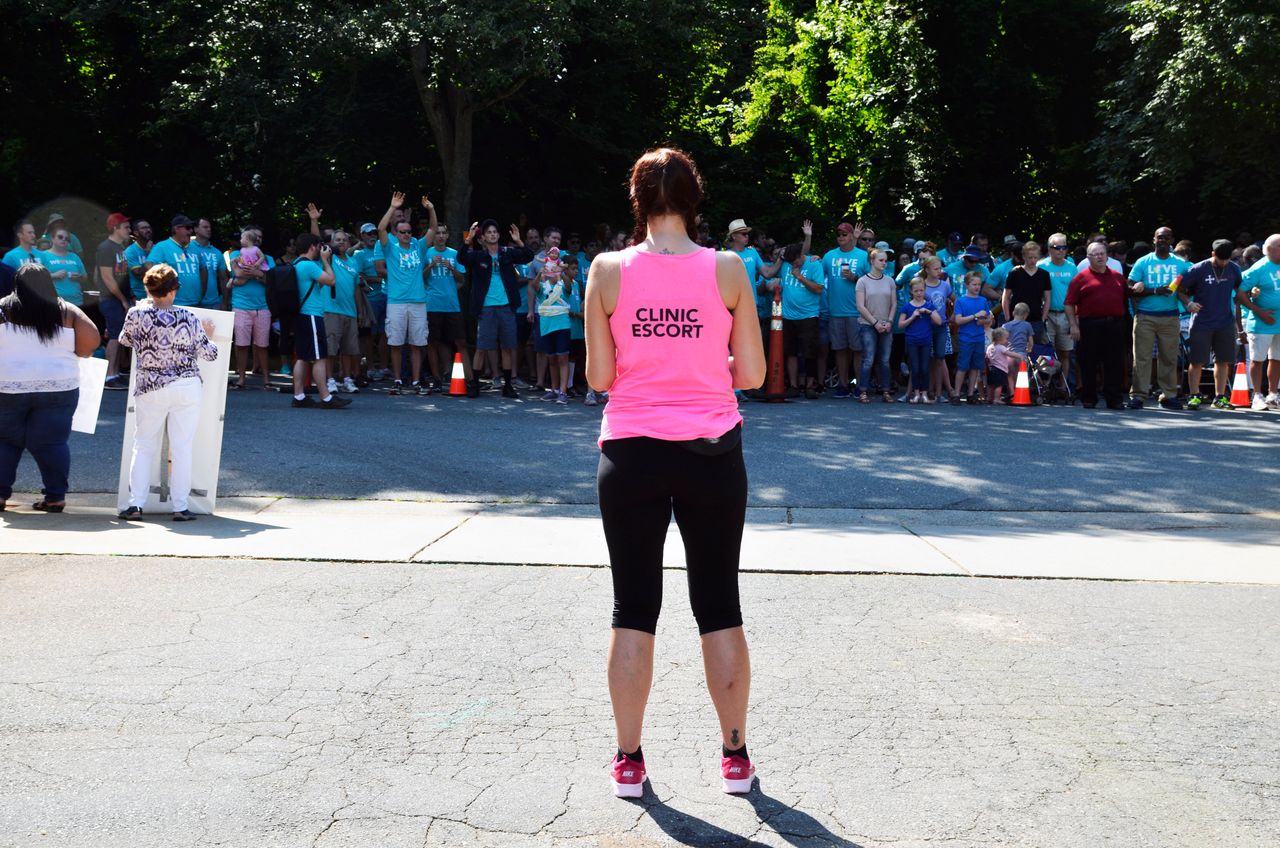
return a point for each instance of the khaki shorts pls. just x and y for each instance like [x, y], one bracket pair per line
[1057, 331]
[343, 336]
[1264, 346]
[407, 323]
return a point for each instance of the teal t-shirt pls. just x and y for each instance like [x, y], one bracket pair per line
[906, 275]
[212, 260]
[186, 262]
[341, 299]
[253, 294]
[842, 296]
[552, 323]
[577, 327]
[798, 302]
[442, 287]
[68, 289]
[1060, 277]
[1264, 275]
[17, 256]
[308, 272]
[497, 294]
[1000, 275]
[364, 259]
[1154, 272]
[404, 272]
[956, 272]
[136, 257]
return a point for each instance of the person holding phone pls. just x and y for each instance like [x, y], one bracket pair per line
[917, 318]
[310, 338]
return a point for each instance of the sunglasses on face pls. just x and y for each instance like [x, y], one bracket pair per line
[1057, 247]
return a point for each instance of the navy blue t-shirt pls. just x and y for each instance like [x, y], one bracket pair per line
[1214, 290]
[919, 331]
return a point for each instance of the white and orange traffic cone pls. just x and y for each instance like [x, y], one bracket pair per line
[1022, 387]
[775, 386]
[458, 378]
[1240, 387]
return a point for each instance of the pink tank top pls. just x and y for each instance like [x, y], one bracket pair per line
[671, 330]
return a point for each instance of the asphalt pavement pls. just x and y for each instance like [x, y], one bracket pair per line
[823, 454]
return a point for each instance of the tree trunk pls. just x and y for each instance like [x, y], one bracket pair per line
[451, 115]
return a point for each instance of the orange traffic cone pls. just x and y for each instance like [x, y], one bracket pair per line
[1022, 387]
[458, 378]
[1240, 387]
[775, 387]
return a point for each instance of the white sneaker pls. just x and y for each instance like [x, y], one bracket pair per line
[1272, 401]
[1259, 402]
[331, 386]
[349, 385]
[590, 399]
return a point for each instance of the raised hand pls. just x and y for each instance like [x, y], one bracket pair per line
[426, 203]
[313, 212]
[515, 234]
[397, 199]
[807, 227]
[857, 230]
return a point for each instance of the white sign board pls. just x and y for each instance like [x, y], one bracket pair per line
[206, 451]
[93, 374]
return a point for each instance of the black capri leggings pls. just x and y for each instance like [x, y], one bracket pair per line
[641, 482]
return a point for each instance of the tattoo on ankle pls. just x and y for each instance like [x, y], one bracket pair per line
[733, 737]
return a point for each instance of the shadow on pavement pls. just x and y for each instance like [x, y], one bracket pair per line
[793, 825]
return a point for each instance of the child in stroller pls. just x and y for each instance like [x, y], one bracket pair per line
[1047, 380]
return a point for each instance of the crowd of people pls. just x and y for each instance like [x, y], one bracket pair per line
[391, 304]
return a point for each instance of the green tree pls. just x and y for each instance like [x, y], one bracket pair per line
[852, 89]
[1191, 126]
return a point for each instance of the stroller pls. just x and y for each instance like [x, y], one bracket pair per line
[1047, 380]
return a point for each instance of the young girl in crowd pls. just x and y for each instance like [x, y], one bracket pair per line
[999, 357]
[918, 318]
[972, 316]
[937, 290]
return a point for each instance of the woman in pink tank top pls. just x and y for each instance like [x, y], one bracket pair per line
[671, 331]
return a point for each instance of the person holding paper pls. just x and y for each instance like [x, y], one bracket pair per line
[167, 341]
[40, 337]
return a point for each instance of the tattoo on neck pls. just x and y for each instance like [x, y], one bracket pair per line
[733, 737]
[666, 251]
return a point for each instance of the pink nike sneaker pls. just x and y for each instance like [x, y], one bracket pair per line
[628, 777]
[737, 774]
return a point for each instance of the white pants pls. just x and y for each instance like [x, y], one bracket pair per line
[179, 404]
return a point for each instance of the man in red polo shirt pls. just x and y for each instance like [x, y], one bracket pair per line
[1096, 311]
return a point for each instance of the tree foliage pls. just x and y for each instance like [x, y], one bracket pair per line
[1191, 124]
[1028, 116]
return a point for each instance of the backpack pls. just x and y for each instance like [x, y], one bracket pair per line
[282, 290]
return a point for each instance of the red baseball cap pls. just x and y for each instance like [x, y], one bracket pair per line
[115, 219]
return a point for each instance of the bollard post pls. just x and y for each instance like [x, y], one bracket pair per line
[775, 383]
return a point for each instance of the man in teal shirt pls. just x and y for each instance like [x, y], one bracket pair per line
[1061, 270]
[341, 334]
[374, 344]
[406, 292]
[446, 331]
[24, 232]
[1259, 295]
[842, 266]
[1156, 323]
[176, 252]
[802, 281]
[310, 338]
[136, 255]
[213, 268]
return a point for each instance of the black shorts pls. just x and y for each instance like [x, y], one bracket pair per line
[555, 343]
[802, 334]
[1221, 341]
[310, 344]
[997, 378]
[445, 327]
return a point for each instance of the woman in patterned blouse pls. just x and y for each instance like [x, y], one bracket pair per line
[167, 340]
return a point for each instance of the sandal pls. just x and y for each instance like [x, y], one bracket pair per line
[236, 386]
[886, 397]
[864, 398]
[45, 506]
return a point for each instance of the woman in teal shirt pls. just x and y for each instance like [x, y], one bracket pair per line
[65, 267]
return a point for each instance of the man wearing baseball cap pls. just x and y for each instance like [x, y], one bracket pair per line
[176, 252]
[1207, 291]
[111, 273]
[739, 236]
[843, 265]
[373, 340]
[955, 247]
